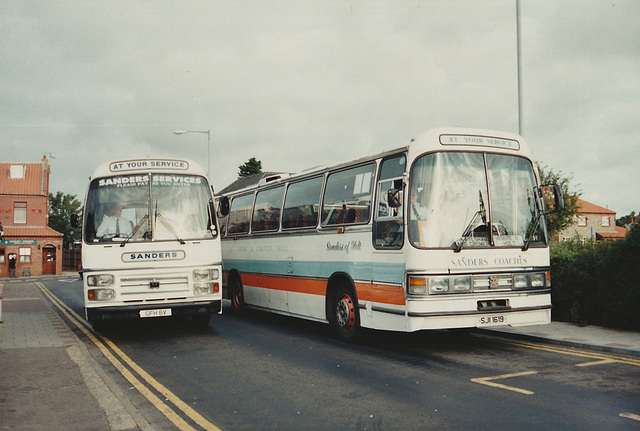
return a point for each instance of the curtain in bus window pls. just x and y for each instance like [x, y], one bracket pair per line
[240, 214]
[512, 182]
[266, 213]
[446, 192]
[348, 196]
[302, 203]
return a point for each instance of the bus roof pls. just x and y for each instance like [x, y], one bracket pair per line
[438, 139]
[148, 164]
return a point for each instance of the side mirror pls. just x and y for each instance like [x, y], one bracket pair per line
[223, 206]
[75, 222]
[558, 198]
[393, 198]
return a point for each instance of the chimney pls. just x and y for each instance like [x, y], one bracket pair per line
[46, 171]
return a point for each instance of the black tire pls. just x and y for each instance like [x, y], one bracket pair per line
[237, 293]
[345, 315]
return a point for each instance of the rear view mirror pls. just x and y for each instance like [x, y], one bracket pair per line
[394, 198]
[75, 220]
[223, 206]
[558, 198]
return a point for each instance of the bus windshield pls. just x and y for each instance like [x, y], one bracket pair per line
[149, 207]
[473, 200]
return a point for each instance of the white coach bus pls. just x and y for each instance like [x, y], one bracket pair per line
[448, 232]
[151, 246]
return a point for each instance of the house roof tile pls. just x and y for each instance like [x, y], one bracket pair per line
[589, 208]
[33, 183]
[30, 231]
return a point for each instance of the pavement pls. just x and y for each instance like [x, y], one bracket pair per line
[49, 380]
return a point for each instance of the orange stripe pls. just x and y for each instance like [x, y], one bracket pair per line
[385, 294]
[381, 293]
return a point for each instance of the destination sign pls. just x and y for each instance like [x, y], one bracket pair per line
[130, 165]
[479, 141]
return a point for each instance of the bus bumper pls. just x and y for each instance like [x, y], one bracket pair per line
[97, 314]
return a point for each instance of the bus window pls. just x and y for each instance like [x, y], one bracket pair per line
[301, 204]
[389, 220]
[348, 196]
[266, 213]
[240, 214]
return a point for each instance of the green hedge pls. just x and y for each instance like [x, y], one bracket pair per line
[597, 284]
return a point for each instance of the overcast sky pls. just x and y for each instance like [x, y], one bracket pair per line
[298, 84]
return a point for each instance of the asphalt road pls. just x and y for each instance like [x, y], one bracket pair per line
[258, 371]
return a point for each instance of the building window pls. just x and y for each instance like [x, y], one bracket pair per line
[16, 172]
[583, 240]
[25, 255]
[605, 221]
[20, 212]
[582, 220]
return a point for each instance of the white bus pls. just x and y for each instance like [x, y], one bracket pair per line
[448, 232]
[150, 243]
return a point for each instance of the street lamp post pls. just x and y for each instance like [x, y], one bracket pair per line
[208, 132]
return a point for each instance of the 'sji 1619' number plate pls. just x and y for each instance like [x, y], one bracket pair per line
[492, 319]
[156, 313]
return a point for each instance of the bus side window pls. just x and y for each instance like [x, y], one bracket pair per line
[240, 214]
[266, 213]
[301, 204]
[348, 196]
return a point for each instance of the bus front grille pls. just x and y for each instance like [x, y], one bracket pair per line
[155, 287]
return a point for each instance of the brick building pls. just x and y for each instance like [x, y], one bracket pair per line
[24, 214]
[593, 222]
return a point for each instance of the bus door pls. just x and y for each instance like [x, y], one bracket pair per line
[388, 229]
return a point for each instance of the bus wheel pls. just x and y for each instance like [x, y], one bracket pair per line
[345, 316]
[237, 295]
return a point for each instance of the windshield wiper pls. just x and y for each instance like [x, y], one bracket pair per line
[135, 230]
[167, 225]
[482, 212]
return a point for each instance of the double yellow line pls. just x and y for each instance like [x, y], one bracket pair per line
[121, 361]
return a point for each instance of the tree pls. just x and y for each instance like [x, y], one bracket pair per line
[61, 206]
[252, 166]
[558, 220]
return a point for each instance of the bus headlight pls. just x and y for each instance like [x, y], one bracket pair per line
[538, 280]
[461, 284]
[205, 274]
[100, 280]
[100, 294]
[531, 280]
[206, 288]
[438, 285]
[520, 281]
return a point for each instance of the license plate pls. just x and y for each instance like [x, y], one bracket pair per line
[492, 320]
[156, 313]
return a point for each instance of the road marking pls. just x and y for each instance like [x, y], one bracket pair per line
[102, 343]
[489, 381]
[630, 416]
[602, 362]
[573, 352]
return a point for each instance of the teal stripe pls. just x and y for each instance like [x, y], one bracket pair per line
[385, 272]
